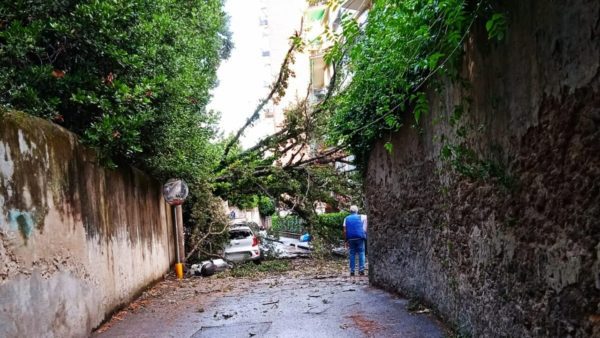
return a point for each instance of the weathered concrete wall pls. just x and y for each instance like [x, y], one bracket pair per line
[76, 240]
[512, 251]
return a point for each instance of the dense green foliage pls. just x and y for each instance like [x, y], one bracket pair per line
[328, 227]
[288, 169]
[289, 223]
[131, 77]
[389, 59]
[266, 206]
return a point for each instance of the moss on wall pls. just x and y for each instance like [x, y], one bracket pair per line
[100, 235]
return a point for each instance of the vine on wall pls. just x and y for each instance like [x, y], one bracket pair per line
[383, 66]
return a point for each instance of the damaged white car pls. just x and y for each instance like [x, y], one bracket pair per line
[243, 245]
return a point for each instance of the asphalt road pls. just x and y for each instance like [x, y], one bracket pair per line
[281, 306]
[333, 307]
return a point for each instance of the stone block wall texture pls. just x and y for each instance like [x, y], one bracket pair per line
[501, 237]
[77, 241]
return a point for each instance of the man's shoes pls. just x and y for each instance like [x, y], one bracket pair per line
[361, 273]
[351, 274]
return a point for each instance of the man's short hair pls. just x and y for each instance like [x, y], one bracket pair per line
[354, 209]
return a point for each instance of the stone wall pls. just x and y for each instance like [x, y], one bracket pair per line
[77, 241]
[492, 216]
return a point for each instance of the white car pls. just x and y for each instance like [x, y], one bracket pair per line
[243, 245]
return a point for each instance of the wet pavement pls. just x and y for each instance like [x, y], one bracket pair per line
[288, 305]
[337, 307]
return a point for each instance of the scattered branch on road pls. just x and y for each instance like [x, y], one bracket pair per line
[325, 277]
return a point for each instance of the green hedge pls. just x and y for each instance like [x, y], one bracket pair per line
[290, 223]
[329, 226]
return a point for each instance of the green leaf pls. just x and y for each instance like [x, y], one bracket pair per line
[496, 27]
[389, 147]
[434, 59]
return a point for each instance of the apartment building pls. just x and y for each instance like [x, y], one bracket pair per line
[279, 20]
[319, 20]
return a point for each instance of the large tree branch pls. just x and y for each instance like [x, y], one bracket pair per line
[322, 156]
[278, 88]
[293, 157]
[329, 156]
[201, 240]
[266, 142]
[292, 204]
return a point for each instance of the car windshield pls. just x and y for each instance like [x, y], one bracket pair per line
[239, 234]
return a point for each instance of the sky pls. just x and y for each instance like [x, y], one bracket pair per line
[242, 76]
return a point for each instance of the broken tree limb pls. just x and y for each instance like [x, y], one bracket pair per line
[325, 277]
[202, 239]
[278, 88]
[323, 158]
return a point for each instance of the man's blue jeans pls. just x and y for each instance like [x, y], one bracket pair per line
[357, 246]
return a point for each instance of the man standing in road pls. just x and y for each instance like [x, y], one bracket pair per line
[355, 234]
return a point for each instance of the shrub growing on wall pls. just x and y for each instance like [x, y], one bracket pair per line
[390, 58]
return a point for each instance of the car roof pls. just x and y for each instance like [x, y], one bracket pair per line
[238, 221]
[239, 227]
[238, 224]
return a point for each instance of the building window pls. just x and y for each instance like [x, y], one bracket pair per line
[263, 20]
